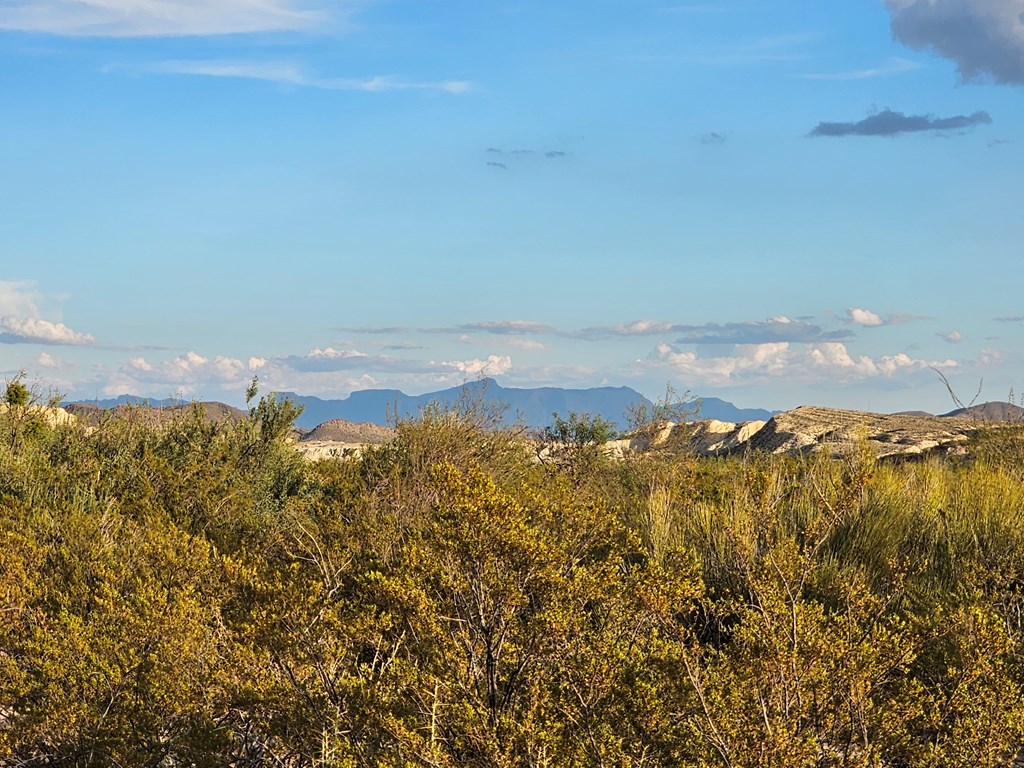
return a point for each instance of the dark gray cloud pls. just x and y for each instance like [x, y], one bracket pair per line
[984, 37]
[494, 164]
[888, 123]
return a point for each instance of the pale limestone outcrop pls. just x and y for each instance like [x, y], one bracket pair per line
[839, 432]
[808, 429]
[53, 417]
[314, 450]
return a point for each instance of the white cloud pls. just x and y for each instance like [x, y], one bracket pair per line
[153, 18]
[990, 356]
[953, 337]
[864, 317]
[494, 365]
[288, 73]
[820, 362]
[187, 373]
[53, 363]
[33, 330]
[21, 320]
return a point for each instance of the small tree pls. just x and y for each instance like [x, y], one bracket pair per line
[17, 398]
[17, 395]
[576, 440]
[672, 406]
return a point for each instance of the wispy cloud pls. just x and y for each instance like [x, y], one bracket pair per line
[888, 123]
[712, 138]
[288, 73]
[528, 344]
[1010, 319]
[161, 18]
[773, 48]
[894, 66]
[497, 327]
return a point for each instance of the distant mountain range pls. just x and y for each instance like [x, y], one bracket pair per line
[533, 407]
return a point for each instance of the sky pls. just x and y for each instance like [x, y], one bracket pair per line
[776, 202]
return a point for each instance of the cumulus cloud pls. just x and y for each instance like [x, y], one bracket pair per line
[53, 363]
[983, 37]
[952, 337]
[864, 317]
[157, 18]
[31, 330]
[825, 361]
[21, 320]
[494, 365]
[990, 356]
[889, 123]
[188, 373]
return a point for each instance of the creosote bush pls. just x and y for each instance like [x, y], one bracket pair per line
[196, 594]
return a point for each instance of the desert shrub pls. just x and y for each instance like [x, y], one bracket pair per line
[195, 594]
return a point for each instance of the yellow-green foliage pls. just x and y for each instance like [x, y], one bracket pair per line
[196, 595]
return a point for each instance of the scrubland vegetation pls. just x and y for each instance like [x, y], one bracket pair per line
[198, 595]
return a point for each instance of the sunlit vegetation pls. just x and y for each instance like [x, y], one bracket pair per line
[198, 595]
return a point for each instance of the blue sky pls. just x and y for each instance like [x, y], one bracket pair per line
[772, 201]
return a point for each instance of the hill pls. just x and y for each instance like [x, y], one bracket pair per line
[147, 412]
[996, 411]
